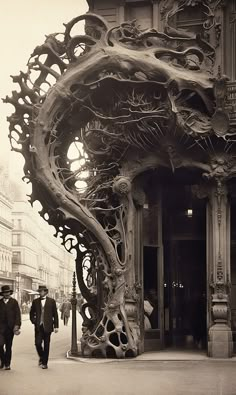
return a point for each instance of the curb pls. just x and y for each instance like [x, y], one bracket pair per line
[80, 358]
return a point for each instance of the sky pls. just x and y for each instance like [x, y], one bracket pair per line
[23, 26]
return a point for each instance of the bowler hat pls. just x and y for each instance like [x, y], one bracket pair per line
[6, 288]
[42, 288]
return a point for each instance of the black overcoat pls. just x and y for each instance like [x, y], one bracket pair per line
[50, 314]
[10, 315]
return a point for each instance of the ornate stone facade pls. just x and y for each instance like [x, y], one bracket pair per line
[130, 100]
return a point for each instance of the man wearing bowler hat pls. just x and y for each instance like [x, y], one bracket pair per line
[10, 323]
[43, 314]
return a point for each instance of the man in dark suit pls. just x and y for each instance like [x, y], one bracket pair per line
[43, 314]
[10, 323]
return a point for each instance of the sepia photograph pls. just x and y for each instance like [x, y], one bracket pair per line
[118, 197]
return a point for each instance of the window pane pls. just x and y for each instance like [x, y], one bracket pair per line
[141, 12]
[16, 239]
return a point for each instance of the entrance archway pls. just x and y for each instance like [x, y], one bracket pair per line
[174, 261]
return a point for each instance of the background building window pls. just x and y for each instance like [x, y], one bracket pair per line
[141, 11]
[16, 239]
[16, 257]
[191, 19]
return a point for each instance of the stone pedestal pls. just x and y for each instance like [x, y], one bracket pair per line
[220, 343]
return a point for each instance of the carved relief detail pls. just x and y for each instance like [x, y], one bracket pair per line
[220, 118]
[122, 185]
[211, 20]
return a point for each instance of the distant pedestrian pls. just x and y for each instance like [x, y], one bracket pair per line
[198, 321]
[65, 309]
[10, 323]
[80, 302]
[43, 314]
[28, 306]
[24, 308]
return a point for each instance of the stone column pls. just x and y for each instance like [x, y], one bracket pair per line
[220, 343]
[123, 187]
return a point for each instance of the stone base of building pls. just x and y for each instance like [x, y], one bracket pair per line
[220, 343]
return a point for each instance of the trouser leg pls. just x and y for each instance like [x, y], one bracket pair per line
[39, 341]
[2, 355]
[2, 352]
[8, 344]
[46, 338]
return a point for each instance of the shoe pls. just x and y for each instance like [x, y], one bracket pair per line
[44, 366]
[7, 368]
[40, 362]
[1, 365]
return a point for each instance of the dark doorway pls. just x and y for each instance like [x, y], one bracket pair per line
[184, 241]
[174, 261]
[185, 293]
[150, 277]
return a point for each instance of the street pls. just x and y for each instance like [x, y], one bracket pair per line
[130, 377]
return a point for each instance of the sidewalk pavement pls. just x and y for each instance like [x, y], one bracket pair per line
[156, 356]
[163, 355]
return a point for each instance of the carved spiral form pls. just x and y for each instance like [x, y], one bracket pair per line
[122, 186]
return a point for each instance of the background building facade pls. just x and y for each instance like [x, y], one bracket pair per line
[6, 204]
[37, 256]
[29, 253]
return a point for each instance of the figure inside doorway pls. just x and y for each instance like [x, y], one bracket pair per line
[150, 309]
[199, 321]
[147, 312]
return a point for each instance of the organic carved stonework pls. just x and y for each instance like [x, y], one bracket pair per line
[127, 95]
[211, 21]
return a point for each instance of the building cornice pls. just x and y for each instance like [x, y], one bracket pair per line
[6, 223]
[6, 200]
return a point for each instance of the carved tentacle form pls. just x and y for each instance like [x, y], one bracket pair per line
[73, 209]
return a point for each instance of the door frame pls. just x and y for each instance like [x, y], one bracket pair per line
[156, 335]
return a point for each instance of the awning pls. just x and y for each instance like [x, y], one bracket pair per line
[31, 292]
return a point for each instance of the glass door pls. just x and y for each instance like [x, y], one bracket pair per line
[153, 272]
